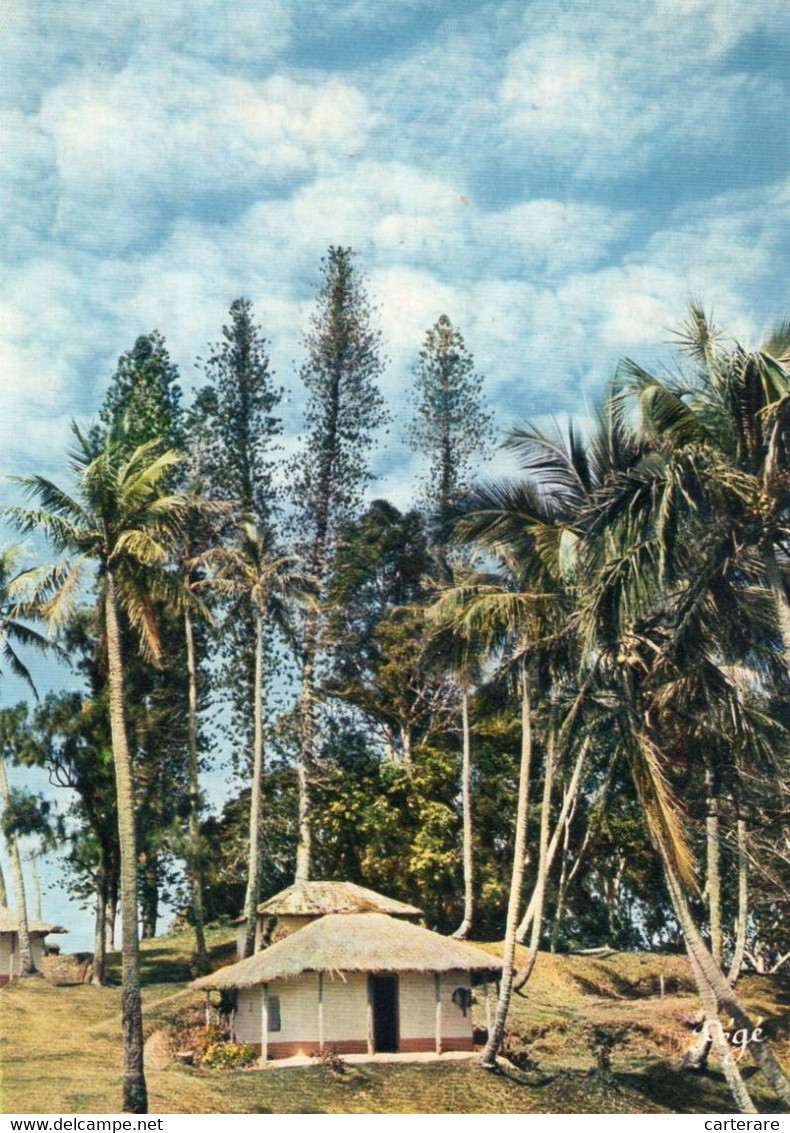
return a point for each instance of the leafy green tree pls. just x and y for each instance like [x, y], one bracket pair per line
[345, 409]
[377, 595]
[122, 522]
[74, 745]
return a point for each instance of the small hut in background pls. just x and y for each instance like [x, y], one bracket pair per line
[9, 943]
[303, 902]
[358, 983]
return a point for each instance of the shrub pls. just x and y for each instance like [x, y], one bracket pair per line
[329, 1058]
[215, 1052]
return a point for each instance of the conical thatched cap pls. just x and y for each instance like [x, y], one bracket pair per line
[353, 942]
[316, 898]
[9, 922]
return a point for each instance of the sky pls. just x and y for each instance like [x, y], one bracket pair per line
[557, 176]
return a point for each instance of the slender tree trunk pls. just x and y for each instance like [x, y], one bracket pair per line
[561, 887]
[713, 1035]
[466, 804]
[488, 1057]
[305, 764]
[135, 1095]
[713, 866]
[100, 934]
[195, 870]
[254, 866]
[3, 890]
[560, 831]
[710, 976]
[37, 913]
[741, 923]
[149, 903]
[543, 867]
[26, 965]
[112, 910]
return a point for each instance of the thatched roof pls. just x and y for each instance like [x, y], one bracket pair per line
[353, 942]
[9, 922]
[317, 898]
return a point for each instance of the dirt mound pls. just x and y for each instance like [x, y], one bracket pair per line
[69, 969]
[157, 1054]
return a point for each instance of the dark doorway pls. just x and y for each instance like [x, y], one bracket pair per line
[384, 1002]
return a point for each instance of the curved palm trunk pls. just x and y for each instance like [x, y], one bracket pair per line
[560, 832]
[713, 1036]
[135, 1095]
[3, 890]
[254, 869]
[543, 868]
[488, 1057]
[466, 803]
[710, 978]
[26, 965]
[195, 871]
[713, 862]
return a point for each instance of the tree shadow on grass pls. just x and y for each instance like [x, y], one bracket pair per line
[685, 1092]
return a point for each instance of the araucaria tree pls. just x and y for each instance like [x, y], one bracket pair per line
[450, 428]
[344, 410]
[453, 432]
[123, 522]
[233, 442]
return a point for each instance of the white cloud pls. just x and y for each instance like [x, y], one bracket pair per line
[604, 90]
[156, 140]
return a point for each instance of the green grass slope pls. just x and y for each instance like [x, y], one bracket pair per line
[60, 1048]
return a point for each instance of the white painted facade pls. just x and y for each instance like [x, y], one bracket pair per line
[9, 952]
[344, 1014]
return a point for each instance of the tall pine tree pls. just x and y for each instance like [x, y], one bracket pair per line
[345, 408]
[453, 432]
[451, 428]
[234, 442]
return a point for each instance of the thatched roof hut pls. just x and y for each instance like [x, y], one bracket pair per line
[302, 902]
[359, 982]
[9, 942]
[317, 898]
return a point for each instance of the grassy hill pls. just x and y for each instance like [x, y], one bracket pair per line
[60, 1048]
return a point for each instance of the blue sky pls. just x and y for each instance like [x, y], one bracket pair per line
[558, 176]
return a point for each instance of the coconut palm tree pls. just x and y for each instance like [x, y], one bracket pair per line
[121, 522]
[17, 606]
[668, 603]
[510, 612]
[254, 570]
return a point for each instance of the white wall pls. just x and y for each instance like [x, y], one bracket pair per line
[345, 1008]
[9, 956]
[417, 1000]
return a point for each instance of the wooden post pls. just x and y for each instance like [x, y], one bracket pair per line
[488, 1007]
[370, 1018]
[437, 984]
[661, 985]
[320, 1010]
[265, 1022]
[208, 1010]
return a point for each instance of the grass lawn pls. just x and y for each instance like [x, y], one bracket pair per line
[60, 1049]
